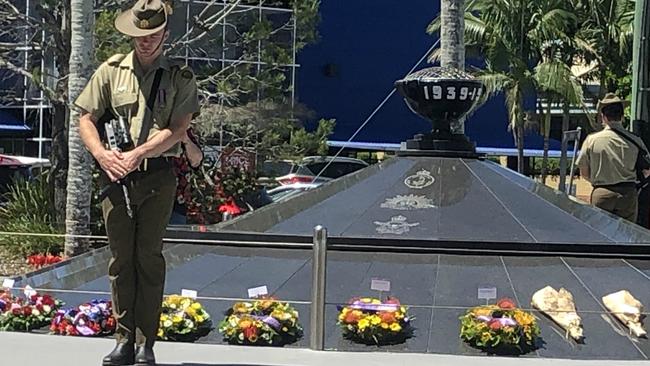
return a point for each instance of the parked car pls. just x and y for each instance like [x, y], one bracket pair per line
[286, 191]
[16, 167]
[288, 172]
[271, 169]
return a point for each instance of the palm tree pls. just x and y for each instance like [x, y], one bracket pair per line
[452, 42]
[80, 162]
[555, 80]
[606, 34]
[492, 33]
[508, 36]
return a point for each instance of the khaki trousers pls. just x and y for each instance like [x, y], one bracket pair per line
[621, 201]
[137, 267]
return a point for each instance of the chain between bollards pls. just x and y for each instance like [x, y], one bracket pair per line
[318, 274]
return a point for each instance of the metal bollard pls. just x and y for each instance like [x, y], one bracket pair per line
[318, 273]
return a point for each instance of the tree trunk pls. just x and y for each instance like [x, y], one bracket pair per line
[547, 133]
[59, 159]
[452, 42]
[519, 136]
[80, 162]
[564, 158]
[59, 16]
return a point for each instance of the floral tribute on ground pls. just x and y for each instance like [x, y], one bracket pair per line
[372, 321]
[265, 321]
[500, 328]
[90, 319]
[183, 320]
[26, 314]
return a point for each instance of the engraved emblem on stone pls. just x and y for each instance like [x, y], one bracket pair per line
[397, 225]
[410, 202]
[420, 180]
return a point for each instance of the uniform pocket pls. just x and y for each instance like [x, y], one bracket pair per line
[124, 102]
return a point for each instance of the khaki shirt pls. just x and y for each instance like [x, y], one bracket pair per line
[121, 86]
[610, 158]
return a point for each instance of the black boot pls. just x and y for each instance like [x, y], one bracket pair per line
[144, 356]
[122, 355]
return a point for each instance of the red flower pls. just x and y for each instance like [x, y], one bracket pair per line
[95, 327]
[71, 330]
[392, 300]
[48, 300]
[27, 310]
[110, 323]
[230, 207]
[251, 333]
[506, 304]
[387, 317]
[39, 260]
[350, 318]
[16, 311]
[494, 324]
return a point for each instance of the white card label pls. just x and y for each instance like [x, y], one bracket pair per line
[487, 293]
[189, 293]
[380, 285]
[29, 291]
[257, 292]
[8, 283]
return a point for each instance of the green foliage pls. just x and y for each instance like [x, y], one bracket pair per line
[552, 168]
[284, 140]
[29, 210]
[97, 225]
[108, 41]
[206, 195]
[247, 106]
[212, 186]
[237, 183]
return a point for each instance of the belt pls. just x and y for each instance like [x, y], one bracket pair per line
[152, 164]
[617, 185]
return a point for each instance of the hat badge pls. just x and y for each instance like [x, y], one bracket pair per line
[143, 23]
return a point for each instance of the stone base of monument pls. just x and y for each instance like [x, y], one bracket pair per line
[432, 144]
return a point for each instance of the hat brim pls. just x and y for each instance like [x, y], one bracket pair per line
[602, 105]
[125, 25]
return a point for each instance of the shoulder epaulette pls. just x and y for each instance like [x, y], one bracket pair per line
[115, 59]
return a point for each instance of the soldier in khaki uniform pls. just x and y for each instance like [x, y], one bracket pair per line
[122, 85]
[608, 161]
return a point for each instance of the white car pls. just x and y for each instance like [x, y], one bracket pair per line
[325, 167]
[286, 191]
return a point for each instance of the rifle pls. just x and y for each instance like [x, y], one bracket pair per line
[118, 138]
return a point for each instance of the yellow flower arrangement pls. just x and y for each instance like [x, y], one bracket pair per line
[183, 319]
[499, 327]
[265, 321]
[371, 321]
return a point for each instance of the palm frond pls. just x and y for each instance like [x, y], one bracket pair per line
[434, 26]
[475, 29]
[494, 82]
[555, 77]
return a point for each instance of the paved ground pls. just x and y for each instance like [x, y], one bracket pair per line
[583, 188]
[37, 350]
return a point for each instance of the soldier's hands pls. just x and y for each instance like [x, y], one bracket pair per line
[112, 162]
[132, 160]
